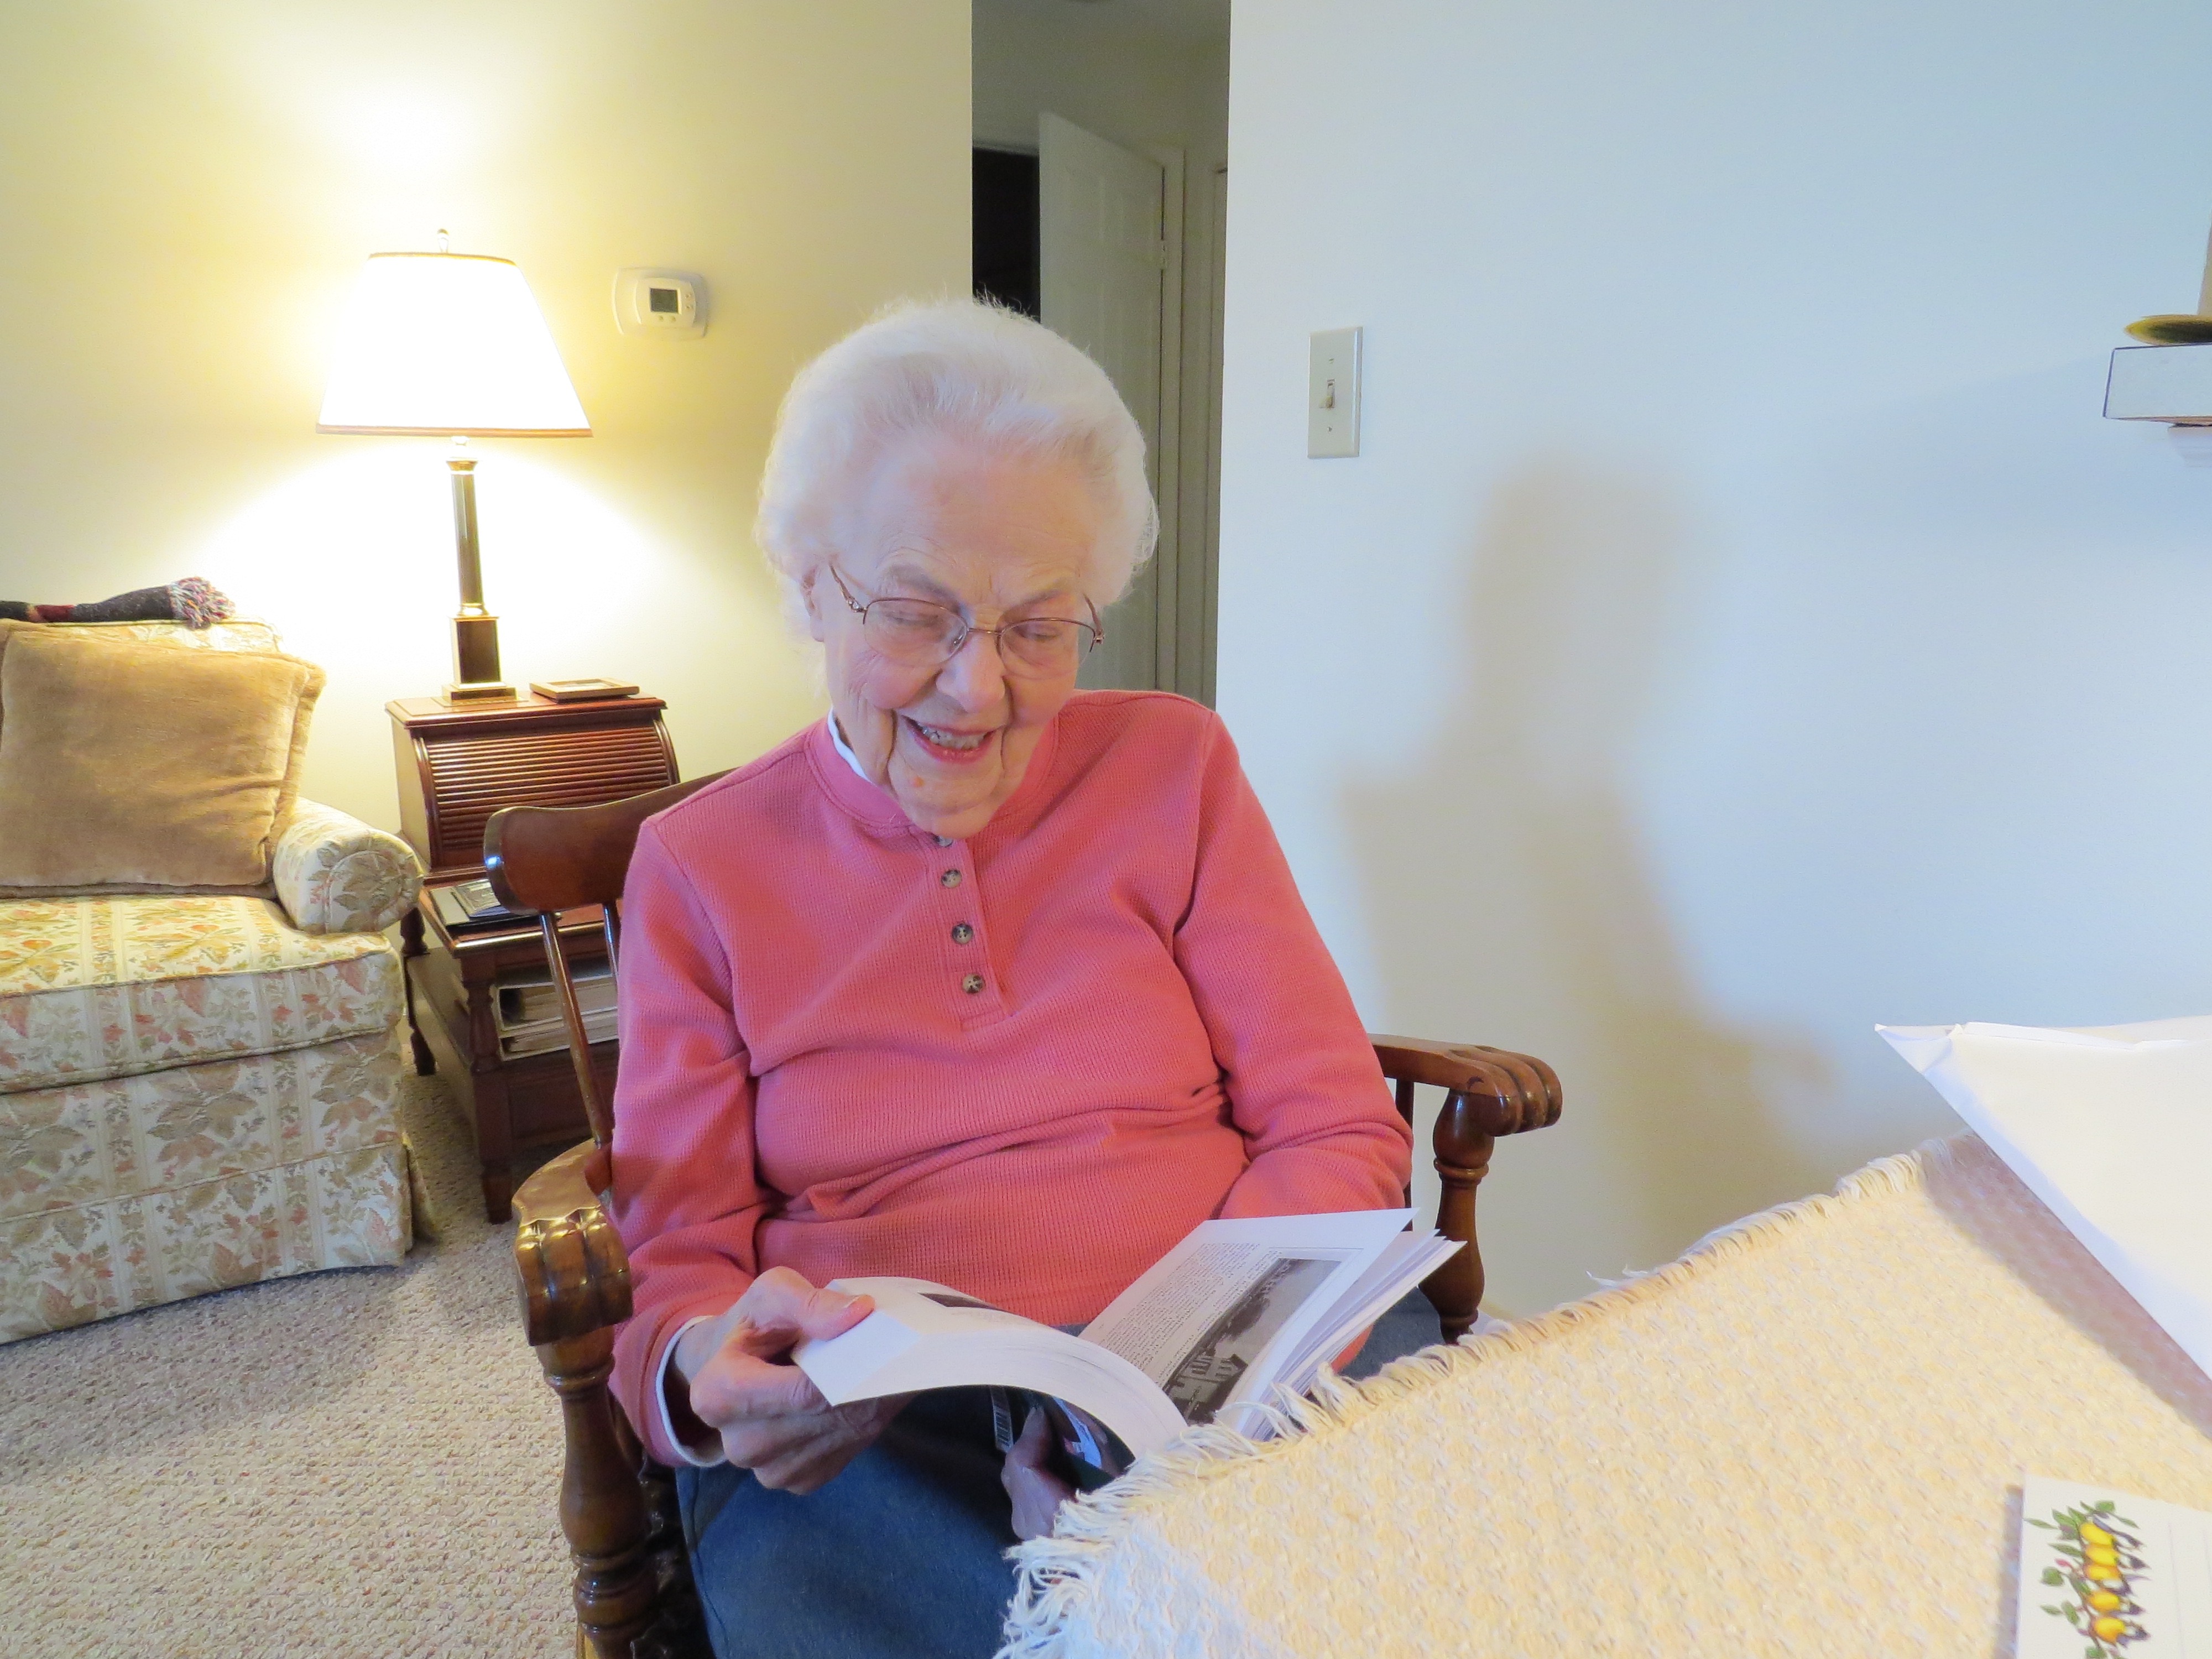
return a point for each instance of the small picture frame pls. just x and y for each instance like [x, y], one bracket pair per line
[589, 690]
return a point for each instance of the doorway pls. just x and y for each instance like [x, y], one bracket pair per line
[1090, 123]
[1005, 234]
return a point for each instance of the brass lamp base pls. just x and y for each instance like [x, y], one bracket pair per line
[478, 691]
[476, 659]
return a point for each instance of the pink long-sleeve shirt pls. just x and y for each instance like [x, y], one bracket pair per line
[1025, 1064]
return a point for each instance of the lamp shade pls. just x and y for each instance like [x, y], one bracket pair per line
[447, 344]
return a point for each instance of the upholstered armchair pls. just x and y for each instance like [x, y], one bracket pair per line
[199, 1090]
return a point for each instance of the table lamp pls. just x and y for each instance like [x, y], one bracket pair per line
[452, 345]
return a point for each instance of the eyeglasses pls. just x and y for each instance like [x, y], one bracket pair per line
[923, 634]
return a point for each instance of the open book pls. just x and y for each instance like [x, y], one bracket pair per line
[1235, 1311]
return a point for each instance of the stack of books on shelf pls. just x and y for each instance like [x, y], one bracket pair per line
[528, 1010]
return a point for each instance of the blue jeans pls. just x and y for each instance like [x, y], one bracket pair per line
[903, 1555]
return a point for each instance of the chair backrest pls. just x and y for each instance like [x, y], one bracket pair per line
[548, 860]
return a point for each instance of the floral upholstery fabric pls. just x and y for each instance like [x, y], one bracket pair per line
[334, 874]
[131, 1191]
[119, 984]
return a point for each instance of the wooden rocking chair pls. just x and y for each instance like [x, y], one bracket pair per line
[634, 1593]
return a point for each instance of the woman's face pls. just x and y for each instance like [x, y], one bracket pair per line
[999, 536]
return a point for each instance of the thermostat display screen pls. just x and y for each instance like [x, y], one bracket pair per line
[662, 300]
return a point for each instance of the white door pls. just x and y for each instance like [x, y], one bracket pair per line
[1102, 273]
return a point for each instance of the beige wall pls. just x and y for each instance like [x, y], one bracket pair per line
[186, 192]
[1740, 625]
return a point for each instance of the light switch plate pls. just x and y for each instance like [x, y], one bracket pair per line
[1333, 394]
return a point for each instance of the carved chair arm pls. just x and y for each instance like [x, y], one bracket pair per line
[1502, 1093]
[617, 1509]
[1488, 1092]
[569, 1264]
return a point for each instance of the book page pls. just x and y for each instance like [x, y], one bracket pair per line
[924, 1335]
[1404, 1262]
[2103, 1574]
[1206, 1320]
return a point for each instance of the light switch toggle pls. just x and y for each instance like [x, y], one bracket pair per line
[1333, 394]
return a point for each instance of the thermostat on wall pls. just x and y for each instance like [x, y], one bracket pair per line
[672, 304]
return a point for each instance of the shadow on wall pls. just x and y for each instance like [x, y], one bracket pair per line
[1510, 901]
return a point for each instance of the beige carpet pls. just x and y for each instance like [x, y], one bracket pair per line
[363, 1463]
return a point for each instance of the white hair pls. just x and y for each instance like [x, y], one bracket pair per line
[962, 369]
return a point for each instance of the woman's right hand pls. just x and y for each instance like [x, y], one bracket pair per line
[771, 1418]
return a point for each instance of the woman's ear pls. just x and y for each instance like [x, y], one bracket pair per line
[813, 610]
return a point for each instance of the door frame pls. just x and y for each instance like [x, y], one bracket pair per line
[1171, 653]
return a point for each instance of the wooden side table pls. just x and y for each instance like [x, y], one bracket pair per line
[457, 767]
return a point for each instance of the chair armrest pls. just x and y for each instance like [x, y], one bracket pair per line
[334, 874]
[1488, 1092]
[1504, 1093]
[617, 1508]
[569, 1264]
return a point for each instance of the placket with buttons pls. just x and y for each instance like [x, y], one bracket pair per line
[973, 987]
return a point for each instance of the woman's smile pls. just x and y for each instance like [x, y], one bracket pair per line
[950, 745]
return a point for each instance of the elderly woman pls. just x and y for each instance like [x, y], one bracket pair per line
[981, 980]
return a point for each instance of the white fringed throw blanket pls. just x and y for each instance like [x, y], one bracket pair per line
[1806, 1436]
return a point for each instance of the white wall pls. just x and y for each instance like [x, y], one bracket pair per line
[1740, 627]
[187, 194]
[1149, 75]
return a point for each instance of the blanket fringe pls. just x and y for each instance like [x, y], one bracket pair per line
[1055, 1575]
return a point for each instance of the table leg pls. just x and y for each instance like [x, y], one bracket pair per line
[494, 1117]
[410, 946]
[498, 1191]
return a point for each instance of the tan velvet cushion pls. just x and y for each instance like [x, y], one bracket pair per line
[130, 767]
[236, 635]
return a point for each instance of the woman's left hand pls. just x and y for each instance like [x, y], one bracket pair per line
[1036, 1492]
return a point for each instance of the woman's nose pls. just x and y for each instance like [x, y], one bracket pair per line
[975, 677]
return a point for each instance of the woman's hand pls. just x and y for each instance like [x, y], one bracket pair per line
[1036, 1492]
[772, 1419]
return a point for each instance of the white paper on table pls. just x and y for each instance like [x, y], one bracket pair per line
[2111, 1127]
[2145, 1571]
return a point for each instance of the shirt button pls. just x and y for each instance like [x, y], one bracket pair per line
[942, 840]
[961, 932]
[949, 878]
[972, 984]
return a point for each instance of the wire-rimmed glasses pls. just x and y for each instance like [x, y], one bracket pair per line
[924, 633]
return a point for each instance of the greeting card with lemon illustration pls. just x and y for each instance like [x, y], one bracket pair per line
[2102, 1574]
[2096, 1556]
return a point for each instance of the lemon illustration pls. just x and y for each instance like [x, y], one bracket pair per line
[2095, 1535]
[2104, 1602]
[2108, 1628]
[2097, 1574]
